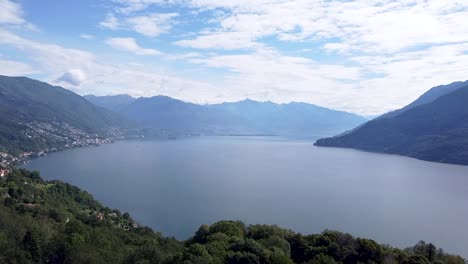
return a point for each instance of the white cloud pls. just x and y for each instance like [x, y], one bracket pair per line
[221, 40]
[406, 75]
[130, 45]
[150, 25]
[130, 6]
[383, 33]
[14, 68]
[364, 56]
[271, 76]
[83, 73]
[87, 36]
[183, 56]
[337, 47]
[272, 65]
[261, 75]
[110, 22]
[11, 13]
[74, 77]
[364, 25]
[49, 56]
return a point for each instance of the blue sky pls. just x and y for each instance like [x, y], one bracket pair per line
[362, 56]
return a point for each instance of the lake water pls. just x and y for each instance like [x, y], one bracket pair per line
[174, 186]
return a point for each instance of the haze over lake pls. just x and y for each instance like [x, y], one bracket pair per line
[174, 186]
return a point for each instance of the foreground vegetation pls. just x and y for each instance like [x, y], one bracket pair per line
[54, 222]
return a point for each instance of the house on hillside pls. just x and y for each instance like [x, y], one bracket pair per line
[4, 172]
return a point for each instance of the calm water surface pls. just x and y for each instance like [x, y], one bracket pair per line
[176, 186]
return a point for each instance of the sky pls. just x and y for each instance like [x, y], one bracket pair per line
[363, 56]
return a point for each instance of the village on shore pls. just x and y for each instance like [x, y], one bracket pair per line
[8, 161]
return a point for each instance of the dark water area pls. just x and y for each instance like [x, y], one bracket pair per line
[174, 186]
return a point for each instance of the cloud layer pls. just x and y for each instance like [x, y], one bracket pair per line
[130, 44]
[364, 56]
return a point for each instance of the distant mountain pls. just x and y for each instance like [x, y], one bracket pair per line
[291, 118]
[434, 128]
[244, 117]
[175, 116]
[429, 97]
[35, 115]
[111, 102]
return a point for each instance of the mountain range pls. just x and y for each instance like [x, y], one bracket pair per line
[111, 102]
[434, 128]
[243, 117]
[35, 115]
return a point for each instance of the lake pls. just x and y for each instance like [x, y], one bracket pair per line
[174, 186]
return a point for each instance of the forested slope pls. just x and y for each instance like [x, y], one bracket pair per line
[54, 222]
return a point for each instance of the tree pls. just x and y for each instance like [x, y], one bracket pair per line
[230, 228]
[416, 259]
[322, 259]
[369, 250]
[145, 254]
[243, 258]
[31, 244]
[197, 254]
[431, 252]
[202, 234]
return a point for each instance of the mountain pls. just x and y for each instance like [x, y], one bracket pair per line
[165, 113]
[244, 117]
[435, 128]
[54, 222]
[429, 96]
[35, 115]
[291, 118]
[111, 102]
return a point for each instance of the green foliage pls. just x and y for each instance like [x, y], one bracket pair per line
[416, 259]
[54, 222]
[321, 259]
[229, 228]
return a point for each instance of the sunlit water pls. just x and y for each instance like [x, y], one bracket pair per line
[174, 186]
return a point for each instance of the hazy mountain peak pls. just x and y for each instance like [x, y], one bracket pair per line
[111, 102]
[248, 101]
[246, 116]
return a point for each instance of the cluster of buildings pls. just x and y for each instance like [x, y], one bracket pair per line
[59, 136]
[83, 142]
[7, 160]
[4, 172]
[114, 218]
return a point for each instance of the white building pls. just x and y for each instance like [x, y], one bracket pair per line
[4, 172]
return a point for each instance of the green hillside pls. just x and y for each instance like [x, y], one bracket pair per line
[35, 115]
[54, 222]
[434, 131]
